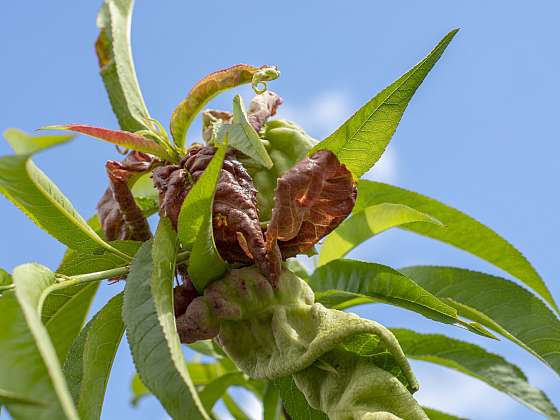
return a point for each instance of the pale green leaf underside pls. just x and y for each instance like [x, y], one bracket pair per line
[25, 185]
[362, 139]
[31, 280]
[91, 357]
[341, 282]
[460, 230]
[24, 144]
[155, 361]
[367, 223]
[474, 361]
[242, 136]
[498, 304]
[116, 65]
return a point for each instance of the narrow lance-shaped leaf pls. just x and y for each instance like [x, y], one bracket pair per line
[460, 230]
[362, 139]
[116, 66]
[272, 404]
[31, 281]
[340, 282]
[498, 304]
[365, 224]
[124, 139]
[294, 401]
[439, 415]
[474, 361]
[24, 372]
[210, 86]
[90, 359]
[5, 280]
[195, 225]
[24, 144]
[213, 391]
[148, 316]
[236, 412]
[32, 191]
[242, 136]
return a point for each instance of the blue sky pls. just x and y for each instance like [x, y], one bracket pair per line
[480, 134]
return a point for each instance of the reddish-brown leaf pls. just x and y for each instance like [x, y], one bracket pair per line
[124, 139]
[118, 213]
[311, 200]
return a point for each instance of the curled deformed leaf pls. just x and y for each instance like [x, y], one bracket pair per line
[271, 333]
[311, 199]
[208, 88]
[119, 214]
[236, 227]
[262, 108]
[124, 139]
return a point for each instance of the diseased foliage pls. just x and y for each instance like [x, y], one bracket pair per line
[219, 274]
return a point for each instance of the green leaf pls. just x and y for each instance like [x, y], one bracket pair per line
[272, 404]
[77, 262]
[294, 401]
[8, 397]
[242, 136]
[31, 281]
[474, 361]
[200, 374]
[367, 223]
[195, 225]
[439, 415]
[90, 359]
[23, 370]
[24, 144]
[341, 281]
[64, 312]
[362, 139]
[460, 230]
[498, 304]
[211, 393]
[236, 412]
[25, 185]
[5, 278]
[150, 324]
[116, 66]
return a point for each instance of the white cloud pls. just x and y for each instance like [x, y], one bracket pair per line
[320, 115]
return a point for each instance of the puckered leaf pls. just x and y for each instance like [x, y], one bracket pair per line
[207, 88]
[28, 188]
[367, 223]
[362, 139]
[311, 199]
[149, 319]
[474, 361]
[31, 281]
[24, 144]
[343, 283]
[116, 66]
[195, 225]
[90, 359]
[460, 230]
[124, 139]
[499, 305]
[242, 136]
